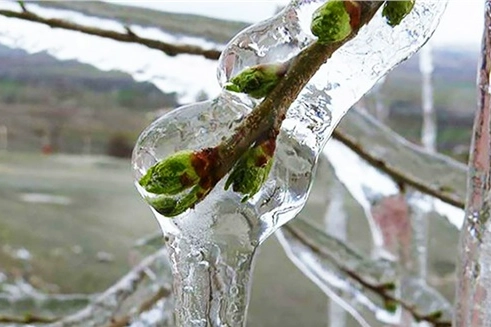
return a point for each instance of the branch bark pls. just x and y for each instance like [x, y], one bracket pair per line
[473, 300]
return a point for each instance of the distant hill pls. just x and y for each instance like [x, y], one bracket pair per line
[72, 107]
[41, 69]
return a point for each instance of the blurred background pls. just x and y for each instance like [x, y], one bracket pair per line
[72, 106]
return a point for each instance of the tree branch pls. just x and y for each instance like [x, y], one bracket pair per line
[429, 173]
[262, 124]
[128, 37]
[105, 307]
[26, 319]
[443, 178]
[297, 230]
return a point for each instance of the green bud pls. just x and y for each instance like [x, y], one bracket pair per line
[331, 22]
[395, 10]
[173, 206]
[390, 305]
[257, 81]
[389, 286]
[171, 175]
[250, 172]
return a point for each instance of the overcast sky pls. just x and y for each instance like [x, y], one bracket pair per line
[461, 26]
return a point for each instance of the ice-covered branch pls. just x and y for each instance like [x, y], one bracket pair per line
[103, 309]
[408, 164]
[370, 284]
[128, 37]
[473, 300]
[146, 305]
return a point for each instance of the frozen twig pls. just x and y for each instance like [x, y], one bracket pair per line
[104, 308]
[384, 291]
[128, 37]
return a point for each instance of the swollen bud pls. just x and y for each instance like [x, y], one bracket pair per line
[390, 306]
[257, 81]
[173, 206]
[395, 10]
[171, 175]
[332, 22]
[252, 169]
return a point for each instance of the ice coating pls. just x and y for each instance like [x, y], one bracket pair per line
[400, 220]
[351, 71]
[212, 246]
[331, 265]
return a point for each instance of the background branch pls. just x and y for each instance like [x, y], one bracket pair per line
[105, 307]
[128, 37]
[348, 265]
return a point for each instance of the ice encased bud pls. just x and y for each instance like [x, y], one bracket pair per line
[257, 81]
[331, 22]
[396, 11]
[171, 175]
[349, 73]
[206, 124]
[252, 169]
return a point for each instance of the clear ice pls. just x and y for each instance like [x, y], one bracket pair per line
[212, 246]
[398, 254]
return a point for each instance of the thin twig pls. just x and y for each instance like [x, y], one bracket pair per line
[26, 319]
[382, 290]
[108, 303]
[128, 37]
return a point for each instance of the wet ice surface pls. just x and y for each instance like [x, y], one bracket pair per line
[310, 120]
